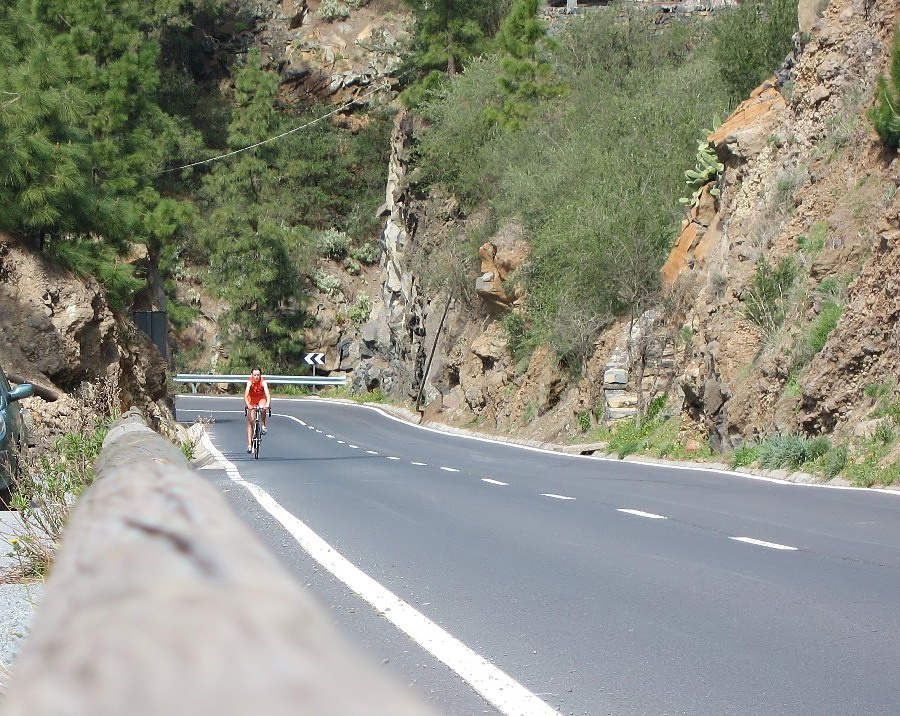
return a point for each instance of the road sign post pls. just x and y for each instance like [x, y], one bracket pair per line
[314, 359]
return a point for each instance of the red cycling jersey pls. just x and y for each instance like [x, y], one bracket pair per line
[256, 390]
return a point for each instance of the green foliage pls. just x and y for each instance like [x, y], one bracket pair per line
[744, 455]
[51, 482]
[333, 244]
[326, 282]
[452, 149]
[92, 257]
[823, 325]
[791, 452]
[885, 115]
[449, 35]
[360, 310]
[834, 462]
[815, 240]
[766, 302]
[751, 41]
[368, 253]
[527, 76]
[706, 169]
[251, 208]
[331, 10]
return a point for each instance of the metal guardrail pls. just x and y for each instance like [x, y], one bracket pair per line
[194, 379]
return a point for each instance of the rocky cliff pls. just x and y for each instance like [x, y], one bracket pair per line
[804, 179]
[59, 332]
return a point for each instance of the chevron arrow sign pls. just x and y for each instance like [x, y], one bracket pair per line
[315, 359]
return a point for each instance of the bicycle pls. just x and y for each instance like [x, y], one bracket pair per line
[256, 439]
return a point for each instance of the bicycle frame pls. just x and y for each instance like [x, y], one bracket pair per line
[256, 440]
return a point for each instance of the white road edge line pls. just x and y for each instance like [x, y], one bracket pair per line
[506, 694]
[556, 497]
[761, 543]
[494, 482]
[648, 515]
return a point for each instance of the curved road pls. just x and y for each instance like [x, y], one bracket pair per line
[595, 586]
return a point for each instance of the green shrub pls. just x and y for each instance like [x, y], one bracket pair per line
[766, 302]
[751, 42]
[707, 169]
[744, 455]
[885, 115]
[368, 253]
[360, 310]
[834, 462]
[326, 282]
[823, 325]
[331, 10]
[333, 244]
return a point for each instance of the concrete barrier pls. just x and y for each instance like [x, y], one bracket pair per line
[161, 602]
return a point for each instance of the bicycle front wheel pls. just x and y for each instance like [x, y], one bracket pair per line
[257, 439]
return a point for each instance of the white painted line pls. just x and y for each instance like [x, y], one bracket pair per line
[330, 437]
[391, 457]
[508, 696]
[648, 515]
[353, 447]
[420, 464]
[760, 543]
[556, 497]
[450, 469]
[341, 442]
[493, 482]
[371, 452]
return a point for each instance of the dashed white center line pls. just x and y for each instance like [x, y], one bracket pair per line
[421, 464]
[353, 447]
[556, 497]
[330, 437]
[450, 469]
[493, 482]
[391, 457]
[761, 543]
[371, 452]
[341, 442]
[648, 515]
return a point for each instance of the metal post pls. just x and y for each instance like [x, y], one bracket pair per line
[430, 357]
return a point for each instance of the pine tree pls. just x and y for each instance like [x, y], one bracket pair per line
[527, 76]
[885, 115]
[449, 33]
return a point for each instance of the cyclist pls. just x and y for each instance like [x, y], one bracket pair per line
[256, 394]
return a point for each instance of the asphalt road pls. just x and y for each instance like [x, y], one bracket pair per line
[600, 586]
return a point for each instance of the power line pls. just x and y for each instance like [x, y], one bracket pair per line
[344, 106]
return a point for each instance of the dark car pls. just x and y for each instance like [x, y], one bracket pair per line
[13, 437]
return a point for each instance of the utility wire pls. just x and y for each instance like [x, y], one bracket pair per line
[344, 106]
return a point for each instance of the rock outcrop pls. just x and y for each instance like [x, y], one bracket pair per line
[59, 332]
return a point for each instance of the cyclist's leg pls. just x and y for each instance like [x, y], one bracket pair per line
[263, 403]
[250, 417]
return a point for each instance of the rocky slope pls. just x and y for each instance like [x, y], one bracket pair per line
[805, 179]
[57, 331]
